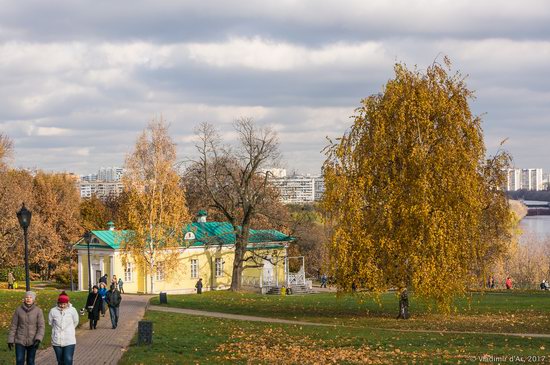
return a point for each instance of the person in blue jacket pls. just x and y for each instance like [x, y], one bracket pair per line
[103, 294]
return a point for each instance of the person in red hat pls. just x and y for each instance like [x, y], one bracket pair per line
[64, 319]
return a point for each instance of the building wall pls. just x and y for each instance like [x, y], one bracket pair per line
[97, 268]
[526, 179]
[179, 279]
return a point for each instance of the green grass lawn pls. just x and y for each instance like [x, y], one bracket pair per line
[513, 311]
[365, 331]
[183, 339]
[46, 299]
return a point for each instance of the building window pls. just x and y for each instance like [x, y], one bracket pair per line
[160, 272]
[129, 273]
[194, 268]
[219, 268]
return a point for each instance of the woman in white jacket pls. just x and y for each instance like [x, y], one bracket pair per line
[64, 319]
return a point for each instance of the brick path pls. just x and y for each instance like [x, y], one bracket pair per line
[103, 346]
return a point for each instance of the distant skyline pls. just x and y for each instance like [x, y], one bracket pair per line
[80, 81]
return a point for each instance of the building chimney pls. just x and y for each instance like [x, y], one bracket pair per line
[201, 215]
[111, 226]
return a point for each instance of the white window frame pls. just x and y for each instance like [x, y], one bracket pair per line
[129, 273]
[219, 267]
[194, 268]
[160, 274]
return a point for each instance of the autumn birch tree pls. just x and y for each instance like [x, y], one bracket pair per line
[412, 200]
[155, 203]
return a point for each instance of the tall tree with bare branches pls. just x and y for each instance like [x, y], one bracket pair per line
[155, 207]
[233, 179]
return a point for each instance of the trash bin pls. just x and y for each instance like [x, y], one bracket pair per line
[163, 298]
[145, 333]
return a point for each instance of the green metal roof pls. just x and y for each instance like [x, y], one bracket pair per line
[222, 233]
[110, 237]
[206, 233]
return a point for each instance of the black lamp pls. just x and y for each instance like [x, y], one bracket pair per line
[87, 238]
[24, 216]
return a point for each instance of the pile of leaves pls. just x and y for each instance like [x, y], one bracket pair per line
[276, 346]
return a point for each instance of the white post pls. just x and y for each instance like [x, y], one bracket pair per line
[286, 271]
[101, 265]
[111, 266]
[277, 273]
[80, 273]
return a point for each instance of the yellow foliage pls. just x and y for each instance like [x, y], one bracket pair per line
[155, 206]
[411, 197]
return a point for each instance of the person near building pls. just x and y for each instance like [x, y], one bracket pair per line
[93, 305]
[26, 330]
[11, 280]
[103, 294]
[64, 319]
[198, 285]
[121, 285]
[103, 280]
[113, 300]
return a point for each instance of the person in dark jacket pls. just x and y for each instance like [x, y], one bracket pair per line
[121, 285]
[113, 299]
[103, 280]
[198, 285]
[93, 305]
[26, 330]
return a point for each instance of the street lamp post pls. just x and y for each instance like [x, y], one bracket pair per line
[71, 266]
[24, 216]
[87, 237]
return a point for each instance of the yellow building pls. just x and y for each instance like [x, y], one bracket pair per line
[207, 253]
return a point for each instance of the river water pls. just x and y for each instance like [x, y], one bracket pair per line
[535, 227]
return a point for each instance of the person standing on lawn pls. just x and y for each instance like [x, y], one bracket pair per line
[11, 280]
[26, 330]
[508, 283]
[113, 299]
[198, 285]
[93, 305]
[64, 319]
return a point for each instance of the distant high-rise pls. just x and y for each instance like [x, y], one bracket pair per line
[103, 184]
[110, 173]
[524, 179]
[298, 189]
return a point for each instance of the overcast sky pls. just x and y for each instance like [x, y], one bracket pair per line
[79, 80]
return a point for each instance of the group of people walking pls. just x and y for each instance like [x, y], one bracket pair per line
[27, 327]
[99, 299]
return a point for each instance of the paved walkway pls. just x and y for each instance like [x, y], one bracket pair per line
[240, 317]
[103, 346]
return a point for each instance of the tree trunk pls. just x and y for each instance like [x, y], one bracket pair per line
[241, 240]
[236, 276]
[152, 282]
[403, 305]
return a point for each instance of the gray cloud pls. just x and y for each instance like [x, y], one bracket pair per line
[78, 83]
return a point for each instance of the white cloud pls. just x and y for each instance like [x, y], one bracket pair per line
[262, 54]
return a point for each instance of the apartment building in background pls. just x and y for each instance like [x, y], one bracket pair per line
[103, 184]
[296, 189]
[524, 179]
